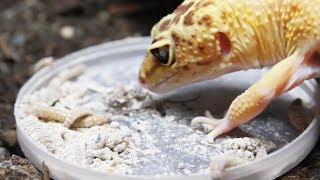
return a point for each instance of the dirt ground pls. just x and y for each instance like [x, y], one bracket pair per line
[33, 29]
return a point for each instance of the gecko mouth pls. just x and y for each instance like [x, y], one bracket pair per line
[156, 87]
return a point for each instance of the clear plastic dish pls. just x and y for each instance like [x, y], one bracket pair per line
[133, 50]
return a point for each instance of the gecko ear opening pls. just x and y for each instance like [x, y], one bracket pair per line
[163, 51]
[224, 43]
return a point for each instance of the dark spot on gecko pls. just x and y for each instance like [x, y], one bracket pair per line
[186, 68]
[188, 19]
[294, 8]
[199, 4]
[183, 41]
[204, 62]
[182, 9]
[165, 25]
[205, 20]
[206, 4]
[175, 37]
[201, 48]
[223, 15]
[224, 42]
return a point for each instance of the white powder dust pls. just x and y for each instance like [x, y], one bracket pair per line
[144, 136]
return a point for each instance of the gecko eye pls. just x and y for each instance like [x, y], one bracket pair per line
[163, 52]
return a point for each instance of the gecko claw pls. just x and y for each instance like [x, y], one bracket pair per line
[208, 114]
[204, 121]
[220, 126]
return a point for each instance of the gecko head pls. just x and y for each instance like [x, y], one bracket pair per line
[186, 48]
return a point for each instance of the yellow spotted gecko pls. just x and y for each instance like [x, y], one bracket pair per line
[204, 39]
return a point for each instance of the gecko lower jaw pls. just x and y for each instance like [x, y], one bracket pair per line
[161, 86]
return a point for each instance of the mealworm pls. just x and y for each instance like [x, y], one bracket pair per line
[44, 62]
[49, 114]
[93, 120]
[67, 74]
[74, 116]
[85, 119]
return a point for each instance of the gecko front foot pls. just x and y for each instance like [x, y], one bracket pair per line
[220, 125]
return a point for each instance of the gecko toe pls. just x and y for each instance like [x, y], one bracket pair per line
[203, 120]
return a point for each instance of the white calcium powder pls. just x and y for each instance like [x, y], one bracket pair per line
[146, 135]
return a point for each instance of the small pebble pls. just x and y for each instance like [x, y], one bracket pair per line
[9, 137]
[114, 124]
[18, 39]
[120, 147]
[181, 166]
[111, 142]
[3, 152]
[67, 32]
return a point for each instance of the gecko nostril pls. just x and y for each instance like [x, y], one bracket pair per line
[142, 80]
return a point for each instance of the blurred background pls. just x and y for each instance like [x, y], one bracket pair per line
[33, 29]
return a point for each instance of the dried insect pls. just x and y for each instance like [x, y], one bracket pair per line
[221, 162]
[49, 113]
[85, 119]
[297, 115]
[93, 120]
[238, 151]
[74, 116]
[67, 74]
[44, 62]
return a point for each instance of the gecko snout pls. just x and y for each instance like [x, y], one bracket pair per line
[142, 81]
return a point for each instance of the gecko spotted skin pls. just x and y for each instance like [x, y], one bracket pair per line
[204, 39]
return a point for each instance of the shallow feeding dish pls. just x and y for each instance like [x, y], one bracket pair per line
[156, 138]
